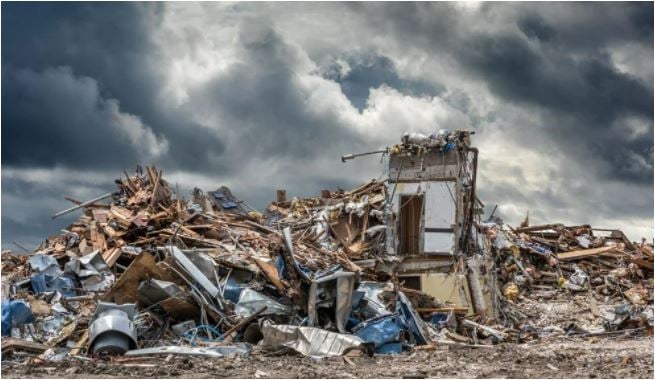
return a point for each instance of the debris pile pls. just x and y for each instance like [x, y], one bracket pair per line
[556, 279]
[144, 272]
[149, 273]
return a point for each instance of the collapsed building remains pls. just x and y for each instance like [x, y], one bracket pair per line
[387, 267]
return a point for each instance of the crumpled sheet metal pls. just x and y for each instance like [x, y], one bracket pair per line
[252, 301]
[309, 341]
[372, 291]
[93, 272]
[345, 282]
[43, 263]
[413, 321]
[43, 282]
[212, 352]
[193, 270]
[153, 291]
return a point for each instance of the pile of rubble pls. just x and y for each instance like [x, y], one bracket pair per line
[595, 281]
[148, 273]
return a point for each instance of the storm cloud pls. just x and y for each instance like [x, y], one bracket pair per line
[259, 96]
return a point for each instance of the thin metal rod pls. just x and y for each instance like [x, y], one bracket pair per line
[81, 205]
[350, 156]
[21, 247]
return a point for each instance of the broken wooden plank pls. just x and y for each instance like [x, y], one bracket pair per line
[155, 189]
[110, 256]
[142, 268]
[81, 343]
[15, 344]
[270, 272]
[455, 309]
[577, 254]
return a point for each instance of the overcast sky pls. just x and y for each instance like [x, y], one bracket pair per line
[261, 96]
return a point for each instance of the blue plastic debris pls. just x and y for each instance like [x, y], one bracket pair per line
[281, 268]
[390, 348]
[379, 330]
[228, 205]
[411, 320]
[232, 290]
[14, 314]
[448, 147]
[352, 323]
[439, 320]
[44, 283]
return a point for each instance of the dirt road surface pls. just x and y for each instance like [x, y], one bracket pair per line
[622, 357]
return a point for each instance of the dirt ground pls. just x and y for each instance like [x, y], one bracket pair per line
[608, 357]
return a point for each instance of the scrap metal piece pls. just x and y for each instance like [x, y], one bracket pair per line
[153, 291]
[82, 205]
[372, 291]
[112, 330]
[193, 271]
[252, 301]
[45, 263]
[43, 282]
[183, 327]
[310, 341]
[92, 270]
[334, 290]
[498, 334]
[212, 352]
[413, 321]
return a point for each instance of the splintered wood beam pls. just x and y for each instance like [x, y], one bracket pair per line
[586, 252]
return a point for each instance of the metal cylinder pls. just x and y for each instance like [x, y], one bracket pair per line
[112, 330]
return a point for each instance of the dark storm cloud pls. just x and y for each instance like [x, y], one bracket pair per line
[567, 76]
[79, 79]
[534, 26]
[108, 42]
[585, 98]
[111, 44]
[55, 118]
[28, 203]
[582, 25]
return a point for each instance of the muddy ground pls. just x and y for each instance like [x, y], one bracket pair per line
[616, 357]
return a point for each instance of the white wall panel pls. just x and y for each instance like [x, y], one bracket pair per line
[440, 207]
[438, 241]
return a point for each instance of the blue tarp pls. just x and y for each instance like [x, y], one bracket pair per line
[411, 321]
[390, 348]
[379, 331]
[439, 320]
[226, 202]
[15, 313]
